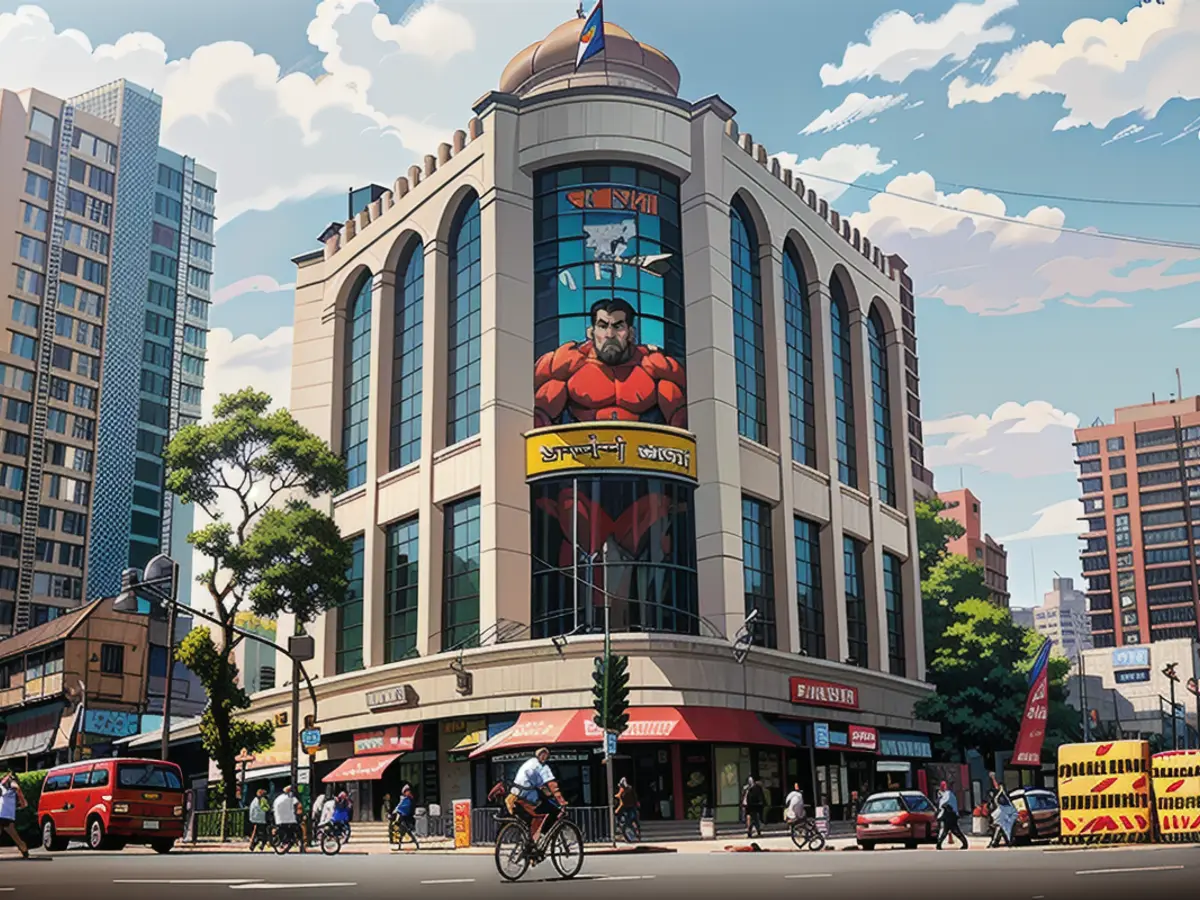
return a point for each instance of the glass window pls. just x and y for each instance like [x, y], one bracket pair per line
[407, 348]
[357, 384]
[1088, 448]
[1116, 482]
[25, 313]
[400, 623]
[112, 659]
[856, 601]
[171, 179]
[462, 420]
[33, 217]
[758, 570]
[748, 340]
[349, 653]
[23, 345]
[1116, 463]
[31, 282]
[881, 406]
[148, 775]
[1115, 444]
[37, 186]
[42, 124]
[798, 320]
[843, 384]
[198, 278]
[198, 337]
[810, 597]
[164, 236]
[1092, 485]
[460, 574]
[893, 593]
[1122, 537]
[32, 250]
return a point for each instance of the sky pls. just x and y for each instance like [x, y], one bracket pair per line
[1008, 149]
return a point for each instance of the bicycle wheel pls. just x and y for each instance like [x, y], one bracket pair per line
[566, 850]
[800, 836]
[816, 840]
[331, 843]
[512, 858]
[281, 843]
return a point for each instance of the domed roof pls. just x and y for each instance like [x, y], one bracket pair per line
[549, 64]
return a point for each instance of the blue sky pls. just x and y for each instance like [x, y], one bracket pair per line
[1023, 331]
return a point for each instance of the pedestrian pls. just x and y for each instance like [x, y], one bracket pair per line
[793, 806]
[948, 817]
[402, 816]
[318, 805]
[12, 799]
[627, 804]
[754, 801]
[284, 808]
[1004, 814]
[260, 830]
[385, 811]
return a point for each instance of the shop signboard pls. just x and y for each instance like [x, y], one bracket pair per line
[386, 740]
[110, 723]
[462, 824]
[811, 692]
[863, 738]
[1131, 676]
[821, 735]
[395, 697]
[1131, 658]
[905, 746]
[626, 447]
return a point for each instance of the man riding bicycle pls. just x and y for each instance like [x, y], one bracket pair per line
[535, 796]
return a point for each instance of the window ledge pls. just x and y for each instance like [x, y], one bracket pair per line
[404, 472]
[351, 495]
[462, 446]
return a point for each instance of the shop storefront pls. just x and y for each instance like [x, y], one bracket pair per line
[902, 760]
[383, 761]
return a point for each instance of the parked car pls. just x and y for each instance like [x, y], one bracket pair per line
[1037, 815]
[897, 817]
[109, 803]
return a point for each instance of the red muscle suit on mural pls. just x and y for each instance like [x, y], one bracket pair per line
[609, 377]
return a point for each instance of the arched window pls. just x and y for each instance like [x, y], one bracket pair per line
[405, 445]
[885, 469]
[798, 321]
[462, 414]
[747, 325]
[356, 393]
[843, 385]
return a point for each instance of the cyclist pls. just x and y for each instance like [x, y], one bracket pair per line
[793, 806]
[627, 803]
[341, 812]
[535, 794]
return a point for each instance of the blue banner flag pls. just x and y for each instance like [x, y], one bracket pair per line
[591, 39]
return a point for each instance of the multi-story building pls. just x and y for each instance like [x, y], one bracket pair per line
[1139, 485]
[158, 325]
[601, 353]
[1062, 617]
[72, 686]
[57, 187]
[963, 507]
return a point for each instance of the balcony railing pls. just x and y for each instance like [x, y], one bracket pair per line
[34, 689]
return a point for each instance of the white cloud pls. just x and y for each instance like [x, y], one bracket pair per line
[899, 44]
[253, 284]
[235, 363]
[856, 106]
[1106, 69]
[965, 257]
[1102, 303]
[1020, 440]
[1191, 323]
[1127, 131]
[1058, 519]
[845, 162]
[389, 93]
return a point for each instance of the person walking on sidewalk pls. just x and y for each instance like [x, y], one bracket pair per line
[948, 817]
[754, 801]
[260, 829]
[12, 799]
[1004, 814]
[284, 808]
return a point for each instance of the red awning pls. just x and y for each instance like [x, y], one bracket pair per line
[362, 768]
[646, 724]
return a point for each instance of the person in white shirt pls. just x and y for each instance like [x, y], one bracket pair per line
[793, 806]
[535, 792]
[284, 809]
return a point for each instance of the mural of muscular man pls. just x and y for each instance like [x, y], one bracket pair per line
[609, 376]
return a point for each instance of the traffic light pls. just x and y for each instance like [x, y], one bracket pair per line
[310, 722]
[598, 691]
[618, 694]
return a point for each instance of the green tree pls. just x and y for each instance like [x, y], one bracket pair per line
[276, 554]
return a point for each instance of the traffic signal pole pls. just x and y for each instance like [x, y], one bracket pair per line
[608, 763]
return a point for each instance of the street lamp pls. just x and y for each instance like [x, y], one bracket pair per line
[1172, 677]
[161, 580]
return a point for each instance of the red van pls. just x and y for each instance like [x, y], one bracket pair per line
[109, 803]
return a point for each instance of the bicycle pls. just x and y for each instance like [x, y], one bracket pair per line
[402, 829]
[806, 835]
[284, 837]
[516, 850]
[628, 827]
[332, 835]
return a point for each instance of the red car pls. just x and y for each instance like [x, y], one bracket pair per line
[897, 817]
[109, 803]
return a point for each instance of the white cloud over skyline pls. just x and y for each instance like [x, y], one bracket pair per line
[1055, 520]
[854, 108]
[1022, 440]
[252, 284]
[899, 44]
[845, 162]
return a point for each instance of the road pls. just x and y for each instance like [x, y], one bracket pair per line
[1024, 874]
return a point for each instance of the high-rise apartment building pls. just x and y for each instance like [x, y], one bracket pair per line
[964, 508]
[1062, 617]
[58, 169]
[1140, 480]
[110, 264]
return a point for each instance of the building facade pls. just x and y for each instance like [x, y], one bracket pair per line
[964, 508]
[1141, 521]
[1062, 617]
[57, 189]
[599, 358]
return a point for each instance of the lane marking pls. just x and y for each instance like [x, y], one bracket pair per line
[449, 881]
[1132, 869]
[228, 881]
[625, 877]
[264, 886]
[812, 875]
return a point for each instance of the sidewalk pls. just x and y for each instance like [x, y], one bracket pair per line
[443, 847]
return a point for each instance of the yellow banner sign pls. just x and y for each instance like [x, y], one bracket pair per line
[626, 446]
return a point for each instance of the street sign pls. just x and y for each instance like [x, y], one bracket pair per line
[610, 744]
[310, 737]
[821, 735]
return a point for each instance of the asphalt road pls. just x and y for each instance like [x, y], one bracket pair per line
[981, 875]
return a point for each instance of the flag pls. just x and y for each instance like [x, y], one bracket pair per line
[591, 39]
[1028, 751]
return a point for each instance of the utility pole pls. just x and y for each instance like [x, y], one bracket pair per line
[1087, 732]
[1172, 677]
[608, 763]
